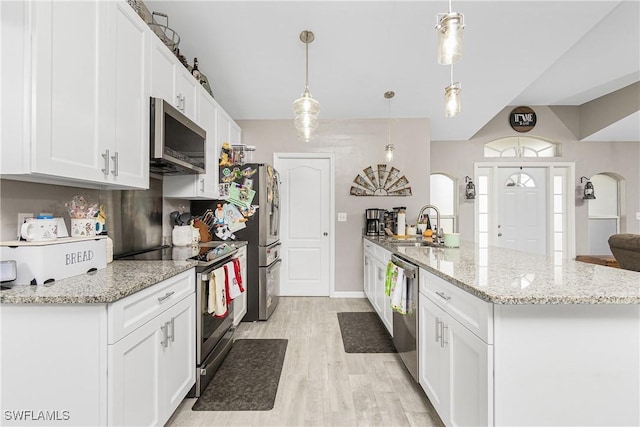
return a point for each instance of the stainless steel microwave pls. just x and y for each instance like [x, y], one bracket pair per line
[177, 144]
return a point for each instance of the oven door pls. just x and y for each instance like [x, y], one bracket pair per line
[269, 285]
[209, 329]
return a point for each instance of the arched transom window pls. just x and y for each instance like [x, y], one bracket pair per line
[520, 180]
[521, 146]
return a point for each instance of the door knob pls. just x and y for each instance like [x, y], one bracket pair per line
[325, 234]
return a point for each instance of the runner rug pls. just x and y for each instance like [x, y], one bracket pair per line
[247, 379]
[364, 332]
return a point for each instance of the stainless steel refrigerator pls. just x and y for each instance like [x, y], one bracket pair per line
[249, 210]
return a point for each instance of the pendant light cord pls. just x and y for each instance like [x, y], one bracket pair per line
[306, 68]
[389, 124]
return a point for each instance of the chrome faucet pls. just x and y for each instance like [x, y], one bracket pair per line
[436, 235]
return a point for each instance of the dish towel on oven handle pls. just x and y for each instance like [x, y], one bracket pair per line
[220, 294]
[235, 278]
[398, 290]
[211, 293]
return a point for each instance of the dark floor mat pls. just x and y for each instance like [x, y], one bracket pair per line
[364, 332]
[247, 379]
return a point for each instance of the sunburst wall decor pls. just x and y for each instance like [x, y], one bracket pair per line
[380, 182]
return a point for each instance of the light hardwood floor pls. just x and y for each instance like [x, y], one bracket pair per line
[320, 384]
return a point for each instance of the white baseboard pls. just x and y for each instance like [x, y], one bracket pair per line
[350, 294]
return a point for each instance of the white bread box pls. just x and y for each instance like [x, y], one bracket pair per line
[42, 262]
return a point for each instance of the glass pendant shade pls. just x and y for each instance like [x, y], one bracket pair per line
[452, 100]
[450, 29]
[389, 153]
[306, 110]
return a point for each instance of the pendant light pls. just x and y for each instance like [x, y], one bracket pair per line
[390, 147]
[452, 98]
[450, 27]
[306, 108]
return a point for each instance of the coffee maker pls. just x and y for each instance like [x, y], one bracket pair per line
[372, 218]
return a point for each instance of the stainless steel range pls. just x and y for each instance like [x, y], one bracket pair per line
[214, 335]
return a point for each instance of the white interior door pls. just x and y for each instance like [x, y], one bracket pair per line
[522, 209]
[306, 224]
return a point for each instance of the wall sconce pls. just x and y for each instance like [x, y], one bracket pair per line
[588, 189]
[470, 189]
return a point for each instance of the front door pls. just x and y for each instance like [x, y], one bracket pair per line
[306, 219]
[522, 209]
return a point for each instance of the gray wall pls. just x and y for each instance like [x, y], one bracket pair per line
[356, 145]
[457, 158]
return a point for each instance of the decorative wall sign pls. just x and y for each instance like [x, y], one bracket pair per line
[522, 119]
[380, 182]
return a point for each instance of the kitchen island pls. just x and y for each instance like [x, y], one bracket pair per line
[510, 338]
[113, 347]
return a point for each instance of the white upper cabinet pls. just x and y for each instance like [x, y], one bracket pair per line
[84, 95]
[202, 186]
[171, 81]
[130, 145]
[228, 130]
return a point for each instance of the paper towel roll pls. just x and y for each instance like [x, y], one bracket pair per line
[401, 224]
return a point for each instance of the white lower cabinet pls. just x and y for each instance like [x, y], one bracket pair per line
[153, 368]
[455, 368]
[128, 363]
[455, 365]
[375, 260]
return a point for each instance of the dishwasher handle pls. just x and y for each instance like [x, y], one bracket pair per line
[410, 270]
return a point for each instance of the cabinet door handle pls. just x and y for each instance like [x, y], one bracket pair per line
[172, 325]
[438, 329]
[443, 296]
[165, 338]
[167, 295]
[105, 156]
[443, 341]
[115, 164]
[202, 185]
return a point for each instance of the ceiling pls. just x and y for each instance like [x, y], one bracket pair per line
[515, 53]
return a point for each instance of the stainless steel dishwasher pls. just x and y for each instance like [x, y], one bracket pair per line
[405, 326]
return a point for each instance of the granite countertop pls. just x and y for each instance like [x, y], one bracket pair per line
[503, 276]
[118, 280]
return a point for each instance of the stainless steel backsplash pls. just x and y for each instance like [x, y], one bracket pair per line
[134, 217]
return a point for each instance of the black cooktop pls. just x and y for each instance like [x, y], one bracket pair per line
[207, 253]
